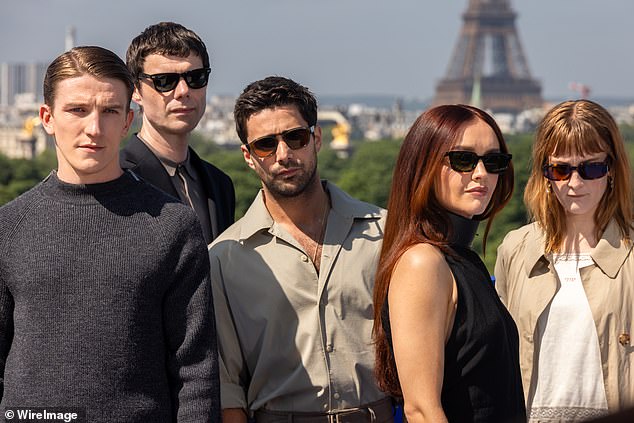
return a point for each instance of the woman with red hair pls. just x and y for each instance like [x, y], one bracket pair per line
[444, 341]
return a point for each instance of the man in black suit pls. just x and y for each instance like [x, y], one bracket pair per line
[170, 66]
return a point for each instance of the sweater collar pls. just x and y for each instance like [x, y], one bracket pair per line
[64, 191]
[462, 230]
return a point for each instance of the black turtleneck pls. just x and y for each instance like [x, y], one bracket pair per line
[481, 374]
[462, 230]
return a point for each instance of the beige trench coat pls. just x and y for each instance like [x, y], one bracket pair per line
[526, 283]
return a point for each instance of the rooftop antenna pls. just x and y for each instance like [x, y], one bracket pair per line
[69, 41]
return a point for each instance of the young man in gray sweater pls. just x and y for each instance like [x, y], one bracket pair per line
[105, 302]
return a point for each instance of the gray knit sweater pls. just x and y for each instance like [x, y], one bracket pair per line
[105, 304]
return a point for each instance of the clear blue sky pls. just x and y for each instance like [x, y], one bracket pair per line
[341, 47]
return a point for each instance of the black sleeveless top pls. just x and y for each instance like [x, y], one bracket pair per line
[482, 381]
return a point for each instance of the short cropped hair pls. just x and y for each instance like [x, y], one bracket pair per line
[164, 38]
[579, 127]
[271, 92]
[87, 60]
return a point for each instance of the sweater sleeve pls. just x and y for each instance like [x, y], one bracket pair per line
[188, 317]
[6, 329]
[6, 300]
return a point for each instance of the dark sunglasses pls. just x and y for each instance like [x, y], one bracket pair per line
[164, 82]
[587, 170]
[466, 161]
[295, 138]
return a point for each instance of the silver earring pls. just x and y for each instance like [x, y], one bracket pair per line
[548, 188]
[611, 182]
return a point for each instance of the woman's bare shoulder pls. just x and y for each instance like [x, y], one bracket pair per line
[421, 256]
[422, 262]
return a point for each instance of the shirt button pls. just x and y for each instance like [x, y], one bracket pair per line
[329, 347]
[336, 396]
[325, 406]
[624, 339]
[304, 258]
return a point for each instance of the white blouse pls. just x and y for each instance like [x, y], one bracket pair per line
[569, 375]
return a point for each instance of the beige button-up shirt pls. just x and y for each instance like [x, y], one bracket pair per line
[290, 339]
[526, 283]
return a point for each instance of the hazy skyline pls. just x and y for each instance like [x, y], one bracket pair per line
[341, 47]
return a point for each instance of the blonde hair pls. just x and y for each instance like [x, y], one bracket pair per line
[579, 127]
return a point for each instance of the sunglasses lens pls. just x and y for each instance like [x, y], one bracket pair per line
[496, 162]
[197, 78]
[592, 170]
[165, 81]
[563, 171]
[557, 172]
[264, 147]
[296, 138]
[462, 161]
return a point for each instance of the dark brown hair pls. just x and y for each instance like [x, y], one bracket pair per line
[164, 38]
[271, 92]
[87, 60]
[415, 214]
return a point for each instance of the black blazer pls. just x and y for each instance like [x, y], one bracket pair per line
[137, 157]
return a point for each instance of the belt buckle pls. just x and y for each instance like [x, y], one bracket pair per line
[337, 416]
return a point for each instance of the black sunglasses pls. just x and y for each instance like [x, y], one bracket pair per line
[466, 161]
[587, 170]
[164, 82]
[295, 138]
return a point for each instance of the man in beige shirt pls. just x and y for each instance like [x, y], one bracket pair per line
[293, 278]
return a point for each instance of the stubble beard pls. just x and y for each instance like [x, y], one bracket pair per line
[294, 188]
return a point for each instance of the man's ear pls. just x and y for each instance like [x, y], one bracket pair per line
[128, 123]
[47, 119]
[247, 156]
[136, 96]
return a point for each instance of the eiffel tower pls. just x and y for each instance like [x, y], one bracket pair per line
[488, 64]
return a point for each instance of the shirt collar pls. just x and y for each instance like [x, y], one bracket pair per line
[171, 166]
[609, 254]
[612, 250]
[258, 218]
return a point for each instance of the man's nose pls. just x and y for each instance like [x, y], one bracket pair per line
[93, 127]
[181, 89]
[283, 151]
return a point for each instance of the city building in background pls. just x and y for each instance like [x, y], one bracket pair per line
[21, 94]
[26, 141]
[21, 82]
[21, 135]
[488, 69]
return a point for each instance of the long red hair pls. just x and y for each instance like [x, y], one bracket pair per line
[414, 213]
